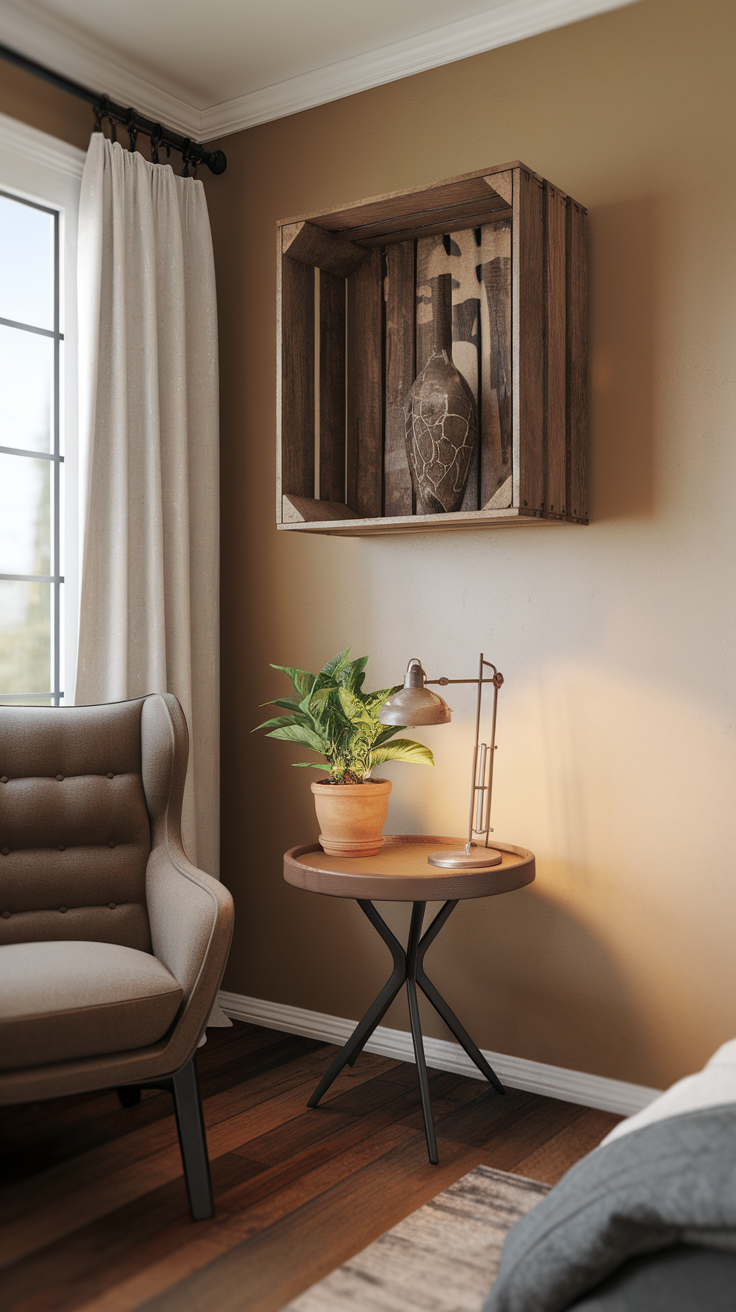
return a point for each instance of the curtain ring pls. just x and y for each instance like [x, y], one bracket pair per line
[185, 158]
[99, 112]
[156, 136]
[131, 129]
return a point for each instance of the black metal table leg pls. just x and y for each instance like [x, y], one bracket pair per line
[375, 1012]
[408, 969]
[439, 1004]
[417, 916]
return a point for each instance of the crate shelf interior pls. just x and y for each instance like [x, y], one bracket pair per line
[355, 317]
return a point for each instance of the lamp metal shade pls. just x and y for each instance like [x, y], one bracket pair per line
[415, 705]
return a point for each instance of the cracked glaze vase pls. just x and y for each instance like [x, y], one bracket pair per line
[440, 414]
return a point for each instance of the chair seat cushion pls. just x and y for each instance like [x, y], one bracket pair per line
[60, 1000]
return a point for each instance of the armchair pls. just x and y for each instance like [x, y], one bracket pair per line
[112, 944]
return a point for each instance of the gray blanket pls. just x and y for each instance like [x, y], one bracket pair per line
[669, 1183]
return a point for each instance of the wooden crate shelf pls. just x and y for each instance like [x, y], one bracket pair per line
[355, 293]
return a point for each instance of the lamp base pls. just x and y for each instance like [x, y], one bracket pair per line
[456, 858]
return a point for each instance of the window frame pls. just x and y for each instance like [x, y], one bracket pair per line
[44, 172]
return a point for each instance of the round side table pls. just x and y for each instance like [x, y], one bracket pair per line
[400, 873]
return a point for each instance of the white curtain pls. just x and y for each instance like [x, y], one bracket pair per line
[149, 440]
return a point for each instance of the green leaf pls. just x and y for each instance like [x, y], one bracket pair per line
[377, 700]
[334, 664]
[350, 676]
[302, 680]
[288, 703]
[311, 765]
[402, 749]
[301, 733]
[353, 707]
[279, 721]
[388, 732]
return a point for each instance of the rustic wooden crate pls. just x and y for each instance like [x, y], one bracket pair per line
[353, 335]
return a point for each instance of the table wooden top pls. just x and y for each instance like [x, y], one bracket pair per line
[400, 873]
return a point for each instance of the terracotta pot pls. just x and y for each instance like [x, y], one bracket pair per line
[351, 816]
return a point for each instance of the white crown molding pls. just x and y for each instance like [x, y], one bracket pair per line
[44, 38]
[509, 22]
[29, 144]
[517, 1072]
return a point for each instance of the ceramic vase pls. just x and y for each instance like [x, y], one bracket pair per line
[351, 816]
[440, 415]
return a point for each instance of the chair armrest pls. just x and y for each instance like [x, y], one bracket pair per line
[191, 920]
[190, 913]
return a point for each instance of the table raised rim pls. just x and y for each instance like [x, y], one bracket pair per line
[438, 884]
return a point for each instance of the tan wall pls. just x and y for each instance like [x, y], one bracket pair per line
[616, 731]
[616, 760]
[32, 101]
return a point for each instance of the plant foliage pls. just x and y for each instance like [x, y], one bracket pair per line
[332, 715]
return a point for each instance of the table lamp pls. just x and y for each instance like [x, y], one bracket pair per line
[415, 705]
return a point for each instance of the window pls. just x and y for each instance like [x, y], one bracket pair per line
[30, 455]
[39, 192]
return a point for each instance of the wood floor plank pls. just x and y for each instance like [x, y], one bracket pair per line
[107, 1249]
[229, 1109]
[228, 1230]
[100, 1181]
[101, 1240]
[96, 1218]
[539, 1124]
[552, 1159]
[287, 1257]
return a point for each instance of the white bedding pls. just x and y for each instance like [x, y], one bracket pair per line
[711, 1087]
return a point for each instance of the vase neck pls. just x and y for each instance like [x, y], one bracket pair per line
[442, 314]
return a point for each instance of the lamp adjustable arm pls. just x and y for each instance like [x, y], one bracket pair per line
[481, 780]
[415, 705]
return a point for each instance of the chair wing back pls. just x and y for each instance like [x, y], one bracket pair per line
[74, 827]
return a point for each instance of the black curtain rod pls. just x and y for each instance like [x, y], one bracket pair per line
[133, 122]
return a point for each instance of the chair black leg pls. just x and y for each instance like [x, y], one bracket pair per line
[190, 1124]
[129, 1095]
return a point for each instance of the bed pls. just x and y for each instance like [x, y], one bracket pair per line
[647, 1221]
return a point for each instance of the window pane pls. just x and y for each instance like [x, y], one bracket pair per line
[26, 390]
[25, 515]
[7, 700]
[26, 264]
[25, 637]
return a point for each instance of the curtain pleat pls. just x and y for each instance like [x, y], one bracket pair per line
[149, 438]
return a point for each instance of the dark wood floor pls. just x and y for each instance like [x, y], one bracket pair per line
[93, 1211]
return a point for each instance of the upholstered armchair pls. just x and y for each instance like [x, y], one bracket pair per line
[112, 944]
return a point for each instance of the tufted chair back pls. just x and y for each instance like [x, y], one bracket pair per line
[75, 833]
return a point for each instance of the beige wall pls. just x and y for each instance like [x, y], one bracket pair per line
[616, 759]
[616, 730]
[44, 107]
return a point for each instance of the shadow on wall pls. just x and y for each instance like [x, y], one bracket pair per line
[546, 1014]
[623, 322]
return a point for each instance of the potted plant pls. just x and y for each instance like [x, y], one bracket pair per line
[332, 715]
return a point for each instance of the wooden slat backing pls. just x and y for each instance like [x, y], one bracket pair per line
[399, 291]
[365, 388]
[331, 387]
[529, 332]
[495, 381]
[577, 360]
[297, 378]
[555, 407]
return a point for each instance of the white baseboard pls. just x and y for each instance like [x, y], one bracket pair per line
[517, 1072]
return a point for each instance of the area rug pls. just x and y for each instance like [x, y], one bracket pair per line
[442, 1258]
